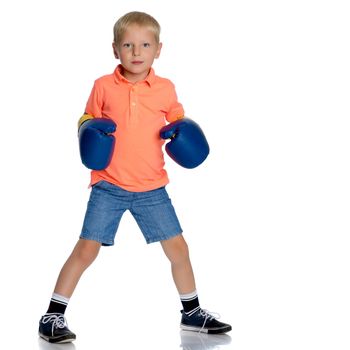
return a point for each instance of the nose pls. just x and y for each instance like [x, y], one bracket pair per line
[136, 51]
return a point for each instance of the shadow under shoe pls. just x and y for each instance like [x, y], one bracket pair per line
[200, 341]
[44, 345]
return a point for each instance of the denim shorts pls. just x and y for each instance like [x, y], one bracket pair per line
[152, 210]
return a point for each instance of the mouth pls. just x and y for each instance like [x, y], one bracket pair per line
[137, 62]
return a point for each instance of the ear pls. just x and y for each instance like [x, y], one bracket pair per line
[115, 51]
[160, 45]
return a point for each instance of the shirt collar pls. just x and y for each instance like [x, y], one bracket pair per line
[120, 79]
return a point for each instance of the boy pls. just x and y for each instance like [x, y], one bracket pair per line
[137, 101]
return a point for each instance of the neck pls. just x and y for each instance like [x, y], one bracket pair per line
[133, 77]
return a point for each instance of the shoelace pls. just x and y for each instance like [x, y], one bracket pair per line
[58, 321]
[208, 315]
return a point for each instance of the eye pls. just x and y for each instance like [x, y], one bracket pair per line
[127, 45]
[146, 45]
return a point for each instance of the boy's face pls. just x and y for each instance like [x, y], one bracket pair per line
[136, 52]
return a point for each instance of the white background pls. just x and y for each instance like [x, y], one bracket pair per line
[266, 216]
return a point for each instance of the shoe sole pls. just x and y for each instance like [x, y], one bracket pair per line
[58, 340]
[206, 330]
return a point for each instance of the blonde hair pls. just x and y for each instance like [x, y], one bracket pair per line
[140, 18]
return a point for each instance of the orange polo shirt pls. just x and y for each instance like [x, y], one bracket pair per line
[139, 110]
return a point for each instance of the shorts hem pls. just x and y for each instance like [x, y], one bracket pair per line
[96, 239]
[164, 238]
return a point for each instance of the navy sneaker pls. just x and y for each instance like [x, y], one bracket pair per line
[203, 322]
[54, 329]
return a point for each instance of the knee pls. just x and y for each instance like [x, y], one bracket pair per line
[86, 251]
[178, 252]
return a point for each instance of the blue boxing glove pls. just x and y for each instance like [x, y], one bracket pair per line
[96, 143]
[188, 146]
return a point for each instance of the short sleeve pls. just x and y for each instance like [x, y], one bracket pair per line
[175, 110]
[95, 103]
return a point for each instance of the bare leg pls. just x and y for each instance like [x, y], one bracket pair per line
[84, 253]
[176, 250]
